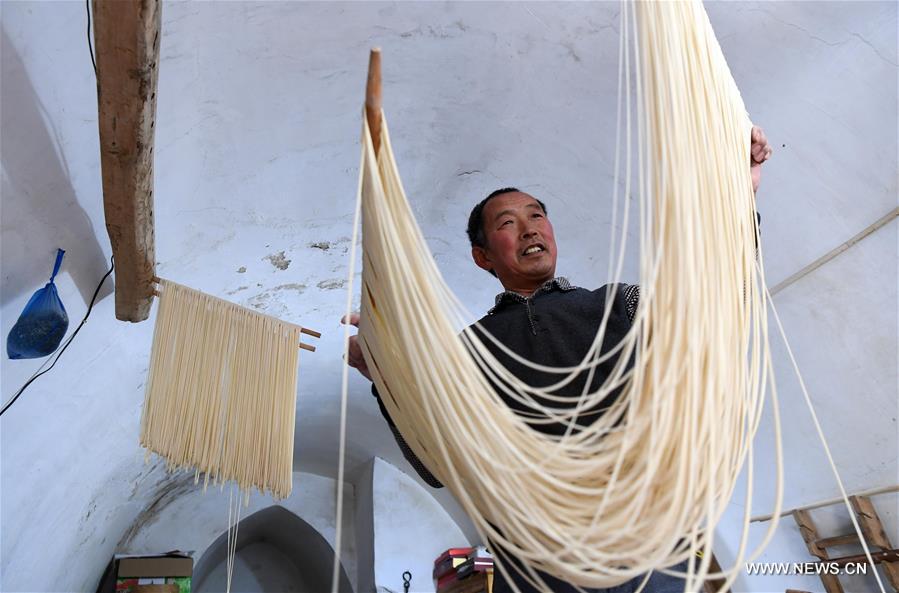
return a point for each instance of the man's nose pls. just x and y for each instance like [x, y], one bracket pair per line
[528, 232]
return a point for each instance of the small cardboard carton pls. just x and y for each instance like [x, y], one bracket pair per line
[157, 573]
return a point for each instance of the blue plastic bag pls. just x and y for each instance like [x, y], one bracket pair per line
[42, 324]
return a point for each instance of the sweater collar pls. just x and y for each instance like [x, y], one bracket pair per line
[559, 283]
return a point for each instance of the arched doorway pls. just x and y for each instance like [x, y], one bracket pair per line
[276, 551]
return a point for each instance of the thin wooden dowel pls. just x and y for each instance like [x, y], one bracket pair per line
[303, 330]
[828, 502]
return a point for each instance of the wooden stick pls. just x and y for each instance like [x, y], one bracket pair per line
[307, 347]
[373, 97]
[303, 330]
[828, 502]
[126, 37]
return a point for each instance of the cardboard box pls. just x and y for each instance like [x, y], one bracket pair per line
[158, 573]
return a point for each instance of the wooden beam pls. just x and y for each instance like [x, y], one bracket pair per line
[126, 39]
[373, 97]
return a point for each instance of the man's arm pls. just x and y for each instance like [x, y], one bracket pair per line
[356, 360]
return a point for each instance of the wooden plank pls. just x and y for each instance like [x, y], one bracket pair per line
[126, 39]
[810, 536]
[872, 529]
[840, 540]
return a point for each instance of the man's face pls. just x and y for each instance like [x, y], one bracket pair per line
[521, 247]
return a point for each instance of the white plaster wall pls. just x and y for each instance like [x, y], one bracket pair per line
[411, 530]
[840, 321]
[259, 567]
[194, 519]
[258, 120]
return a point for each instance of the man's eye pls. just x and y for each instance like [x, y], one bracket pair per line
[506, 222]
[537, 215]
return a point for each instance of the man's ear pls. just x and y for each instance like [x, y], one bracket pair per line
[481, 258]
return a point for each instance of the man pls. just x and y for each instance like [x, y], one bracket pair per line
[546, 320]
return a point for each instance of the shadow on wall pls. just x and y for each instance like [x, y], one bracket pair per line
[40, 208]
[276, 551]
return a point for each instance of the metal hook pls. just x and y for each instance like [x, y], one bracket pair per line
[407, 580]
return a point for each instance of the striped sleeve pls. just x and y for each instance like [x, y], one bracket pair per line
[423, 472]
[631, 294]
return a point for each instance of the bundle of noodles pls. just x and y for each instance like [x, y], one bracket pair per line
[221, 391]
[642, 487]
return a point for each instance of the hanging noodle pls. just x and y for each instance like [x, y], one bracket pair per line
[643, 487]
[221, 391]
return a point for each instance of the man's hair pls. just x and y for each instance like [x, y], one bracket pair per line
[476, 233]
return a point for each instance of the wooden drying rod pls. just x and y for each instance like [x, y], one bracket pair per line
[828, 502]
[303, 330]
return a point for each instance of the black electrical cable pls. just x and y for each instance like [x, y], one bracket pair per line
[12, 400]
[90, 47]
[69, 341]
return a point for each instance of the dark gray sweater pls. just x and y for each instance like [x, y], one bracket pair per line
[555, 326]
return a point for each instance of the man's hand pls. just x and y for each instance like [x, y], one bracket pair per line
[354, 354]
[759, 152]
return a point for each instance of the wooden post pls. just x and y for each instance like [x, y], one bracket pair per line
[126, 38]
[373, 97]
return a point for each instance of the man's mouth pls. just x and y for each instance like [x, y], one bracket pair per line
[533, 249]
